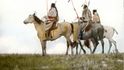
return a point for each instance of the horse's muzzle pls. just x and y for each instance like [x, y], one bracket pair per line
[24, 22]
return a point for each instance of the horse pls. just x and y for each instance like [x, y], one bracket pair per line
[94, 33]
[63, 29]
[108, 34]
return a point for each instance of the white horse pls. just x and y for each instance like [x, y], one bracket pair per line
[63, 29]
[108, 34]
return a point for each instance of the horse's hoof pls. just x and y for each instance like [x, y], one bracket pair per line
[76, 53]
[84, 52]
[116, 51]
[66, 54]
[43, 54]
[92, 52]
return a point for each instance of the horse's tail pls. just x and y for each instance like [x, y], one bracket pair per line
[115, 31]
[72, 27]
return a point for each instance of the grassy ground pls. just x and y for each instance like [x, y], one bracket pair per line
[62, 62]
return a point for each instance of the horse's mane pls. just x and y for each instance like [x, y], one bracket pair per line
[37, 19]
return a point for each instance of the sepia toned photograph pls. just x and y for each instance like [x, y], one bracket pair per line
[61, 34]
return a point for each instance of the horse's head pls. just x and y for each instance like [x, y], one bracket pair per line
[30, 19]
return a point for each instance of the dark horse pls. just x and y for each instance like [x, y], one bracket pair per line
[94, 32]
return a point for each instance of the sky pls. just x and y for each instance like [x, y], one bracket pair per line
[16, 37]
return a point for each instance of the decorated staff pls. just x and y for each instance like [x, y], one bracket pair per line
[74, 8]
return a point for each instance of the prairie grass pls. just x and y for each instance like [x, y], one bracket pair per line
[111, 61]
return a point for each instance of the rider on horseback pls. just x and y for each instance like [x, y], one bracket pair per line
[52, 19]
[87, 19]
[96, 18]
[86, 14]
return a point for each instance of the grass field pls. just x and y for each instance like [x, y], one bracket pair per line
[62, 62]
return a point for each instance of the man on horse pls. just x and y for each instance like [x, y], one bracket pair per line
[52, 18]
[87, 19]
[96, 18]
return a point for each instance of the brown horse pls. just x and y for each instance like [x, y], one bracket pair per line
[63, 29]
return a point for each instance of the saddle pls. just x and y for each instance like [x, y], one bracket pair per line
[53, 27]
[89, 26]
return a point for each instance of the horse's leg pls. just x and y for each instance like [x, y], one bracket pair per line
[90, 49]
[110, 45]
[101, 37]
[73, 46]
[116, 48]
[102, 42]
[43, 48]
[67, 48]
[72, 50]
[94, 39]
[77, 48]
[87, 44]
[94, 44]
[70, 44]
[82, 47]
[114, 42]
[80, 51]
[43, 45]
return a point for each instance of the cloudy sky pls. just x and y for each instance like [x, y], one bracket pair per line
[15, 37]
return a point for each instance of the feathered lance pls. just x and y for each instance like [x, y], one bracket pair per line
[74, 8]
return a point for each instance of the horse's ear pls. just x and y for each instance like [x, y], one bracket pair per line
[34, 14]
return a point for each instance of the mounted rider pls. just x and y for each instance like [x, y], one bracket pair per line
[96, 18]
[86, 14]
[86, 18]
[52, 19]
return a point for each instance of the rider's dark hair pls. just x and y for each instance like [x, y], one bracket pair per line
[53, 5]
[85, 6]
[94, 11]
